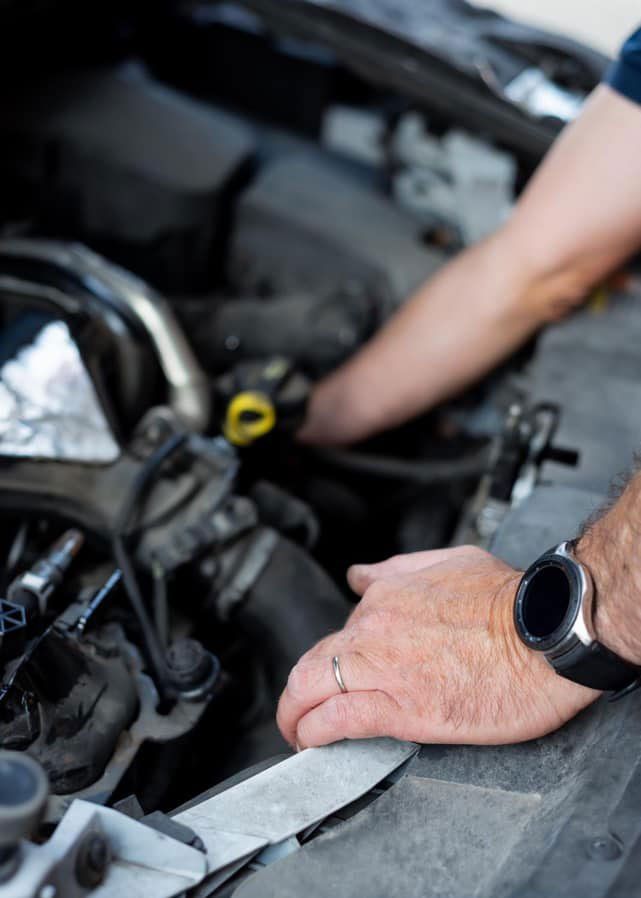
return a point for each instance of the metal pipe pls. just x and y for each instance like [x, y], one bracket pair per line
[189, 392]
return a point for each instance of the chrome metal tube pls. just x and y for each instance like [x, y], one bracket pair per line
[189, 394]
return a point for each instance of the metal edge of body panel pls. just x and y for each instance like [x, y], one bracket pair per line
[234, 826]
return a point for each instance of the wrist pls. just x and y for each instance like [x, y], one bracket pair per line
[335, 416]
[326, 422]
[617, 587]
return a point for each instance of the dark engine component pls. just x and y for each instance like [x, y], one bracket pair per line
[278, 619]
[114, 666]
[344, 233]
[211, 46]
[23, 794]
[317, 332]
[68, 702]
[168, 550]
[120, 162]
[33, 589]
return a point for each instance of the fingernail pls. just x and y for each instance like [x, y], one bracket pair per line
[298, 747]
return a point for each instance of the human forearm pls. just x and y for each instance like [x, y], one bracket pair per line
[476, 311]
[578, 219]
[610, 548]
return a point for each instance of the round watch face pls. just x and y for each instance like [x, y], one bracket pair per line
[547, 602]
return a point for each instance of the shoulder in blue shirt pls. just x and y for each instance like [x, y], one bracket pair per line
[625, 74]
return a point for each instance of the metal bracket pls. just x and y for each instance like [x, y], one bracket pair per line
[261, 814]
[144, 862]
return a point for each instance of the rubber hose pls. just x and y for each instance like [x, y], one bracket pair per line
[293, 604]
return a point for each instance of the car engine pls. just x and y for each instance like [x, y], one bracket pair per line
[189, 238]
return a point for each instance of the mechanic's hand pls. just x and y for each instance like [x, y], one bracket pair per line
[430, 655]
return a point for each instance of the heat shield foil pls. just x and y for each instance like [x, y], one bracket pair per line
[49, 408]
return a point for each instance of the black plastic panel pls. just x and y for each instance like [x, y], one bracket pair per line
[305, 224]
[113, 159]
[539, 819]
[453, 58]
[556, 817]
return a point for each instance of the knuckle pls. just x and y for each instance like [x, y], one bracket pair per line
[378, 618]
[378, 591]
[396, 561]
[341, 715]
[321, 649]
[372, 716]
[300, 679]
[336, 713]
[473, 551]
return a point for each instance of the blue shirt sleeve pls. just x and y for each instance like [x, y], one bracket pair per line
[625, 74]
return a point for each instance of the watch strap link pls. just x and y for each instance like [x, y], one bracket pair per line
[596, 666]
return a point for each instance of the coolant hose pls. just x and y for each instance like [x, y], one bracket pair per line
[292, 605]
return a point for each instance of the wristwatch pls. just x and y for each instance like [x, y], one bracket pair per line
[553, 614]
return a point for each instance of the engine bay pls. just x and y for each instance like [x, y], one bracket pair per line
[189, 240]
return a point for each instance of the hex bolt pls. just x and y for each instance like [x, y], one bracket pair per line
[92, 860]
[98, 855]
[232, 343]
[209, 568]
[189, 663]
[604, 848]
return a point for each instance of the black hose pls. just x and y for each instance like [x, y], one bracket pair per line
[423, 472]
[161, 607]
[292, 605]
[16, 551]
[153, 649]
[143, 479]
[151, 639]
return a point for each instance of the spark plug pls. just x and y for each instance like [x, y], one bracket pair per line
[33, 588]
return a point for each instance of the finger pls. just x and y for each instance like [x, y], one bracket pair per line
[336, 641]
[312, 681]
[351, 715]
[324, 646]
[360, 576]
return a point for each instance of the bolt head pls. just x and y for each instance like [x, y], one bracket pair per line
[604, 848]
[92, 860]
[232, 343]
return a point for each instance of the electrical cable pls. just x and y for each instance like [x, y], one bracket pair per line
[153, 648]
[423, 472]
[161, 605]
[15, 553]
[151, 639]
[144, 477]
